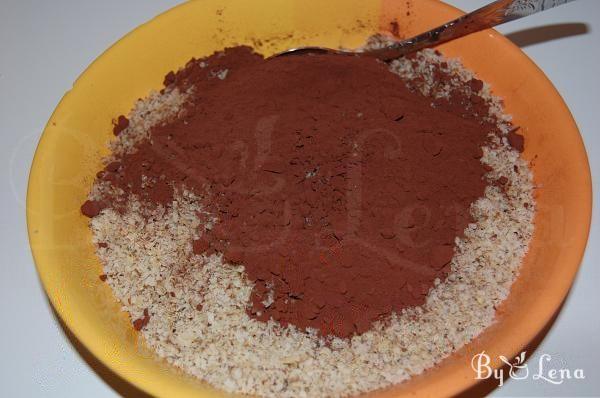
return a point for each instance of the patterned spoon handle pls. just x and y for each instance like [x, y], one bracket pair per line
[495, 13]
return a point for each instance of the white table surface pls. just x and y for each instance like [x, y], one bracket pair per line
[45, 45]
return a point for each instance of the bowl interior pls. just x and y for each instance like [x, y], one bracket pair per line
[74, 141]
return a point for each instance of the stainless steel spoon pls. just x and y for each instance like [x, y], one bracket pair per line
[495, 13]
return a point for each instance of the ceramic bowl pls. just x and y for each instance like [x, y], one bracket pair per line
[75, 140]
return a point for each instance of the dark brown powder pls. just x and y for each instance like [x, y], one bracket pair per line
[139, 323]
[340, 190]
[120, 124]
[91, 208]
[517, 141]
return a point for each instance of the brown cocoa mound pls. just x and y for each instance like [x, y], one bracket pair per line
[516, 141]
[340, 190]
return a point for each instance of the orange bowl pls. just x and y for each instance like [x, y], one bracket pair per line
[75, 138]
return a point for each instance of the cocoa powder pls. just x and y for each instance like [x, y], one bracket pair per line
[340, 190]
[515, 140]
[139, 323]
[120, 124]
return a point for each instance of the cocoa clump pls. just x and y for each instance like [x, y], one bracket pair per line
[517, 141]
[139, 323]
[476, 85]
[340, 190]
[121, 124]
[91, 208]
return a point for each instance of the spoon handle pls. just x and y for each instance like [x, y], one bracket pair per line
[495, 13]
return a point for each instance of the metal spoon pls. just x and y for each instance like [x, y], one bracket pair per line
[495, 13]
